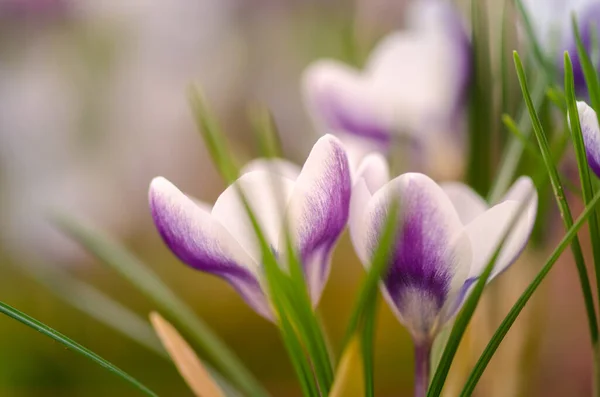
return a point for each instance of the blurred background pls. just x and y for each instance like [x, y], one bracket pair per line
[93, 104]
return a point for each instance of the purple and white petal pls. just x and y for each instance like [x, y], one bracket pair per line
[466, 201]
[342, 101]
[431, 256]
[202, 243]
[591, 135]
[277, 165]
[487, 230]
[588, 16]
[268, 195]
[319, 208]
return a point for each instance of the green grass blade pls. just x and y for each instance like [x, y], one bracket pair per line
[307, 322]
[366, 298]
[266, 131]
[481, 128]
[534, 152]
[367, 342]
[95, 304]
[589, 71]
[174, 309]
[559, 193]
[514, 312]
[512, 127]
[213, 137]
[289, 296]
[587, 187]
[466, 313]
[539, 54]
[76, 347]
[514, 150]
[289, 303]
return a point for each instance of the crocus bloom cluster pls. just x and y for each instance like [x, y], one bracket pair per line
[591, 135]
[447, 235]
[314, 202]
[412, 84]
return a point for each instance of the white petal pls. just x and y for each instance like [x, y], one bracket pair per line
[358, 205]
[267, 195]
[415, 79]
[374, 170]
[279, 166]
[467, 202]
[487, 230]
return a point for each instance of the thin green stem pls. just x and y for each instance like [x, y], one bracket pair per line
[563, 205]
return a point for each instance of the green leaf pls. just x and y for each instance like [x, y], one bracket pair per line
[514, 150]
[298, 324]
[582, 163]
[481, 128]
[213, 137]
[266, 131]
[91, 301]
[368, 353]
[540, 56]
[589, 71]
[514, 312]
[173, 308]
[366, 299]
[464, 316]
[559, 193]
[364, 313]
[57, 336]
[292, 309]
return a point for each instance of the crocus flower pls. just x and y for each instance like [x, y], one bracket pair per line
[591, 135]
[446, 236]
[221, 241]
[413, 83]
[552, 23]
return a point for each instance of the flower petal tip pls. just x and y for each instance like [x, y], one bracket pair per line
[591, 135]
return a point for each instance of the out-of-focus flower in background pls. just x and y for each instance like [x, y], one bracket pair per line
[413, 85]
[447, 235]
[94, 106]
[552, 23]
[222, 241]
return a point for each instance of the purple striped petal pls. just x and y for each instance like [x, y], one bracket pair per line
[431, 256]
[591, 135]
[318, 209]
[201, 242]
[338, 97]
